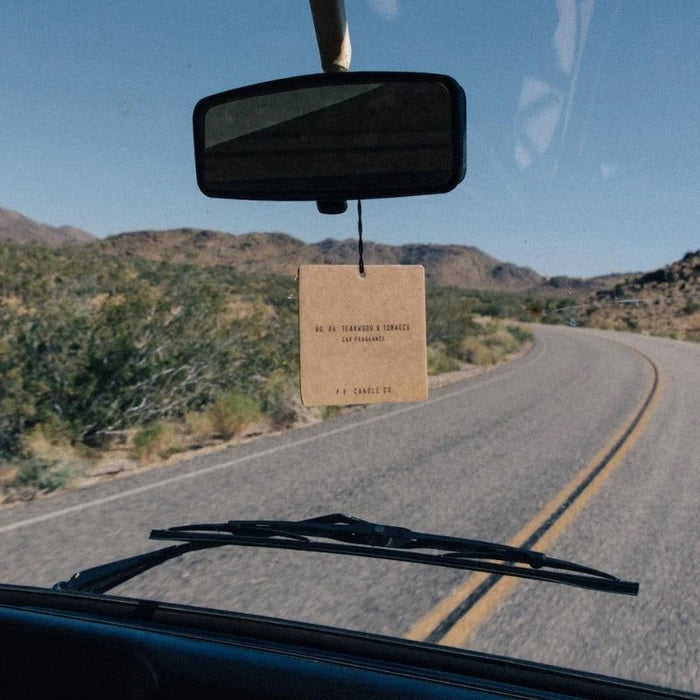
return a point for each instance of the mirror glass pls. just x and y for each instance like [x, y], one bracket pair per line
[347, 136]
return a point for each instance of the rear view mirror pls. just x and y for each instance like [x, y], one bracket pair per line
[332, 136]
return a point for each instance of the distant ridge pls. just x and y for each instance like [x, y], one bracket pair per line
[21, 229]
[280, 253]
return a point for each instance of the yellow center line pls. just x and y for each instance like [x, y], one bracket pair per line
[467, 625]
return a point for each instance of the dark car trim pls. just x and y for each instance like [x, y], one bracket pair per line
[155, 646]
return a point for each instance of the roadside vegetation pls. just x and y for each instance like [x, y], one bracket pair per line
[478, 328]
[150, 358]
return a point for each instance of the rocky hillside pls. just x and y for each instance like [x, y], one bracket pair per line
[20, 229]
[445, 265]
[663, 302]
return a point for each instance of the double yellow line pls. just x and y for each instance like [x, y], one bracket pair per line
[455, 618]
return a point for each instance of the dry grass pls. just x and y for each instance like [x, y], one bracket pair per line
[476, 352]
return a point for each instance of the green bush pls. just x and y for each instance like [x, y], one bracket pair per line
[231, 412]
[521, 335]
[439, 361]
[449, 317]
[157, 439]
[45, 474]
[106, 344]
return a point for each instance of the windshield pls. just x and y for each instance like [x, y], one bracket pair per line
[149, 344]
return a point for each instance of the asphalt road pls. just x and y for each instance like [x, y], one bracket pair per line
[480, 459]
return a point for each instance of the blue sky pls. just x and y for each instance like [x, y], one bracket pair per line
[583, 119]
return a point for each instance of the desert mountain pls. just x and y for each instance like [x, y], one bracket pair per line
[445, 265]
[276, 253]
[20, 229]
[453, 265]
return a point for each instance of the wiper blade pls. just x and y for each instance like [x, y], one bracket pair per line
[341, 534]
[391, 542]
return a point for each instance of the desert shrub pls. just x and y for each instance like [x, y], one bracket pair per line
[501, 342]
[198, 427]
[231, 412]
[476, 352]
[506, 305]
[330, 411]
[45, 459]
[280, 399]
[449, 317]
[521, 335]
[439, 361]
[690, 308]
[106, 344]
[158, 439]
[46, 474]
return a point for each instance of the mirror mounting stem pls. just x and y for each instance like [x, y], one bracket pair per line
[333, 38]
[333, 206]
[332, 34]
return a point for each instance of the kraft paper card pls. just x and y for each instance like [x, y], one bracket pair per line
[362, 338]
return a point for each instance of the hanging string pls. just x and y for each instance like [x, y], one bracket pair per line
[359, 231]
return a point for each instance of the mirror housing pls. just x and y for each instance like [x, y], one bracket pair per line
[331, 137]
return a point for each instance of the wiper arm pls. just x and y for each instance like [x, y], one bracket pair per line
[359, 538]
[102, 578]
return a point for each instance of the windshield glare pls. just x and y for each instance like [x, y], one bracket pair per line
[149, 335]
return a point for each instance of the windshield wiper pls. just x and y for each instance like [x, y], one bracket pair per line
[341, 534]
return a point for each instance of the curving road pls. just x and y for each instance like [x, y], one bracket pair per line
[483, 459]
